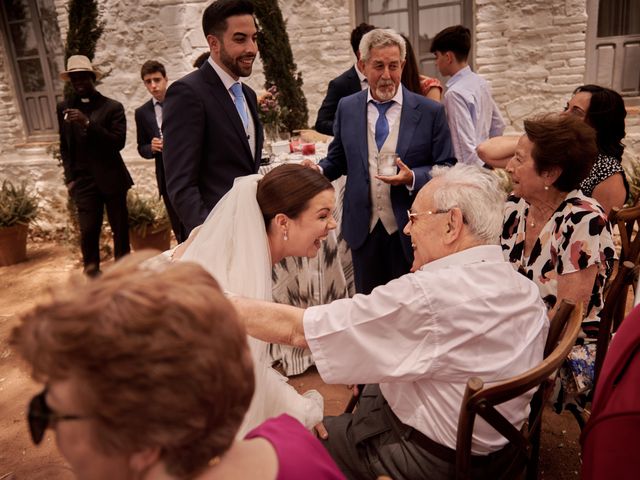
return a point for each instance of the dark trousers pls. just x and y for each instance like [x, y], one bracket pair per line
[372, 442]
[91, 203]
[176, 225]
[379, 260]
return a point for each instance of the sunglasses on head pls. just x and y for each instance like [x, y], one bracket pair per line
[41, 417]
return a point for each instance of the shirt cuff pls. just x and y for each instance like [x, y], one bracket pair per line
[413, 182]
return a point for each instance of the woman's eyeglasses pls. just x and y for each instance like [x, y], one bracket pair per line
[41, 417]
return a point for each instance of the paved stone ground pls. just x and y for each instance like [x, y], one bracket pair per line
[50, 264]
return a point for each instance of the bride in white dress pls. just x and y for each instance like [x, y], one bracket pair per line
[261, 220]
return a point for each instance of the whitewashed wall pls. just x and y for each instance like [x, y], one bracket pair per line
[531, 51]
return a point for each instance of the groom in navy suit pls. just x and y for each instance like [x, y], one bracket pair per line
[211, 130]
[385, 118]
[148, 124]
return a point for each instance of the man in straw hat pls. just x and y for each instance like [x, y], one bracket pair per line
[92, 133]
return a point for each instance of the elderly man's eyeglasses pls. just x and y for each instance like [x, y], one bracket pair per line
[413, 216]
[41, 417]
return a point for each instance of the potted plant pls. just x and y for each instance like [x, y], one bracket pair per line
[149, 225]
[18, 207]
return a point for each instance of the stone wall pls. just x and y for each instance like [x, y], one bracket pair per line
[534, 56]
[531, 51]
[11, 124]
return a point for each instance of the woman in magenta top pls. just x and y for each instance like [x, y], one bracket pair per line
[299, 454]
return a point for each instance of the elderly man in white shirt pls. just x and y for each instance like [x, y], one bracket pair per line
[463, 311]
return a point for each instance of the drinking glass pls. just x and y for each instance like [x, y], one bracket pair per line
[386, 164]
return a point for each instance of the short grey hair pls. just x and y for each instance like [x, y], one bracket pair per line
[477, 193]
[381, 37]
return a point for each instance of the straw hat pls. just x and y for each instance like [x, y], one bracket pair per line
[79, 63]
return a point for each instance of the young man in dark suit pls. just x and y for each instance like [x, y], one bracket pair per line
[149, 133]
[93, 130]
[347, 83]
[211, 130]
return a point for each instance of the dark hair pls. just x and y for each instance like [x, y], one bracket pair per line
[410, 73]
[152, 66]
[456, 39]
[606, 114]
[160, 355]
[287, 189]
[203, 57]
[562, 141]
[214, 18]
[357, 34]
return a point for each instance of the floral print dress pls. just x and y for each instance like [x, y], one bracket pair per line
[576, 237]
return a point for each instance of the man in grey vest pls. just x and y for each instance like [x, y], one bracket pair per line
[395, 121]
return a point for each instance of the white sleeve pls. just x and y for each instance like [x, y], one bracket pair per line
[386, 336]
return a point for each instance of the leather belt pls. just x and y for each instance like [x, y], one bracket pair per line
[447, 454]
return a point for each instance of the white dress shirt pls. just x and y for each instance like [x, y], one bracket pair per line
[472, 114]
[423, 335]
[364, 83]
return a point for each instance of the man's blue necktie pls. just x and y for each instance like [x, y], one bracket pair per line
[238, 96]
[382, 125]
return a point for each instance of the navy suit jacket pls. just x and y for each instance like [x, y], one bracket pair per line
[342, 86]
[147, 129]
[423, 141]
[205, 144]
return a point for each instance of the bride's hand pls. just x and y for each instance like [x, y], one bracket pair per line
[321, 431]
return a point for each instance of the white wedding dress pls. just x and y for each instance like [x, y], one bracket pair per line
[232, 245]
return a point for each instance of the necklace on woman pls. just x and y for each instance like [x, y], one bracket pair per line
[544, 216]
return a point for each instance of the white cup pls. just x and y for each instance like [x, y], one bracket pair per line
[387, 164]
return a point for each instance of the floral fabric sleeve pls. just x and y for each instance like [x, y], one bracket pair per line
[584, 237]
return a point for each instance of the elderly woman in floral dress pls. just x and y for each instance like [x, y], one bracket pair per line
[553, 233]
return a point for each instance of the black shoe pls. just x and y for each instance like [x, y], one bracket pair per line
[92, 271]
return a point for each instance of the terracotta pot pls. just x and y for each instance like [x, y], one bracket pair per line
[158, 240]
[13, 244]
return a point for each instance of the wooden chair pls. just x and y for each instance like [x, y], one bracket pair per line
[613, 310]
[481, 400]
[628, 221]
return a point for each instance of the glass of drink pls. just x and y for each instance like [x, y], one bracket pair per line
[387, 164]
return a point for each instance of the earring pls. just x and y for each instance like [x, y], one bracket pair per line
[285, 236]
[546, 187]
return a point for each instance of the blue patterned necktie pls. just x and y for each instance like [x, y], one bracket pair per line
[238, 99]
[382, 125]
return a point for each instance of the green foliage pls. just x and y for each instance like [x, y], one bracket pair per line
[146, 213]
[279, 67]
[85, 29]
[17, 204]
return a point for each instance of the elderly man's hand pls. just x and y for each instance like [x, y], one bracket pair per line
[321, 431]
[403, 177]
